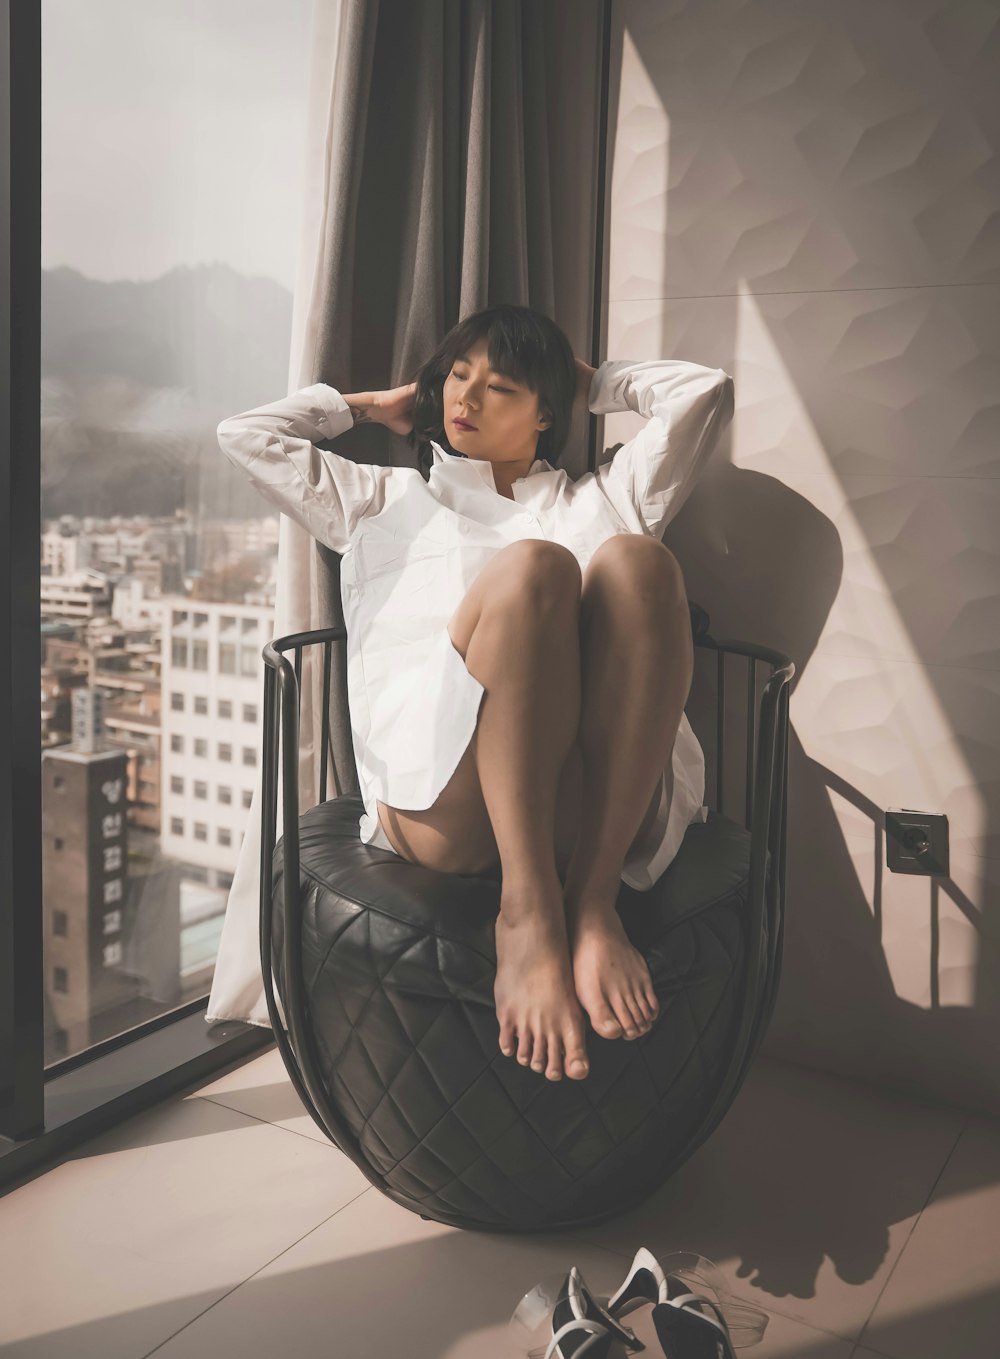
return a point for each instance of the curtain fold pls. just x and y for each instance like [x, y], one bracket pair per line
[435, 185]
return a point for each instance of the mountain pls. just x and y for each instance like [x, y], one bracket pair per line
[137, 375]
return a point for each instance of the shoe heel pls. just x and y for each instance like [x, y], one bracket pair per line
[645, 1282]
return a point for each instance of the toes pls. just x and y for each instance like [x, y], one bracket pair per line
[506, 1037]
[606, 1024]
[539, 1054]
[524, 1047]
[555, 1071]
[630, 1022]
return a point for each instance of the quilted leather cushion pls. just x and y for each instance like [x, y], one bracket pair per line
[399, 967]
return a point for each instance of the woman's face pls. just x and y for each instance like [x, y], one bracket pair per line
[504, 412]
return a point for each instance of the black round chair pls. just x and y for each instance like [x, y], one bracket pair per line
[386, 972]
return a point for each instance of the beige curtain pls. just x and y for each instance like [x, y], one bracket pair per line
[451, 163]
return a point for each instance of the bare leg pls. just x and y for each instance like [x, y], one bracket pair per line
[527, 724]
[637, 668]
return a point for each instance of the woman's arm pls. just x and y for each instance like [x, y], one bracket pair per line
[274, 446]
[686, 407]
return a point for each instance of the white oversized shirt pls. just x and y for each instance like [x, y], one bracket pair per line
[411, 549]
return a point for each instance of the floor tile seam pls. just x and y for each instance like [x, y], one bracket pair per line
[315, 1141]
[909, 1236]
[267, 1263]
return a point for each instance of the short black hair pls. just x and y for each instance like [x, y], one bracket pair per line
[522, 342]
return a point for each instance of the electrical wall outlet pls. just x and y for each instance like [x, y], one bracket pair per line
[916, 842]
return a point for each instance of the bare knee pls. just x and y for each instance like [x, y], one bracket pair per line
[533, 570]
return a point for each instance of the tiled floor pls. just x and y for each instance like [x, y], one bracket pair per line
[224, 1223]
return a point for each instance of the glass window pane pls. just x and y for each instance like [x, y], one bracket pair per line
[168, 306]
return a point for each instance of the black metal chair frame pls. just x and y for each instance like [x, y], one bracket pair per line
[765, 818]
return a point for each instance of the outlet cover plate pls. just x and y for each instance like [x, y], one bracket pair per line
[916, 842]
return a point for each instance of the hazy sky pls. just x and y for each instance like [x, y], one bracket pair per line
[173, 133]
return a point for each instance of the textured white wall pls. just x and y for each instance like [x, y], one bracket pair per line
[808, 196]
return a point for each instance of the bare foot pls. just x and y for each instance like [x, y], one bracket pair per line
[611, 977]
[534, 991]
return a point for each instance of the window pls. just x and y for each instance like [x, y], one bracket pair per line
[201, 620]
[176, 783]
[225, 794]
[177, 743]
[249, 755]
[176, 825]
[225, 709]
[249, 712]
[180, 617]
[227, 623]
[227, 658]
[179, 652]
[60, 979]
[224, 835]
[201, 747]
[225, 751]
[177, 702]
[248, 661]
[247, 796]
[60, 922]
[200, 789]
[248, 625]
[200, 830]
[199, 655]
[201, 705]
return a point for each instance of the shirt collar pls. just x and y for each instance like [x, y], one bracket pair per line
[480, 467]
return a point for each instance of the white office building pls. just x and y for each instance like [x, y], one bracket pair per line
[212, 685]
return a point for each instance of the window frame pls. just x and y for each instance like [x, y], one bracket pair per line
[46, 1112]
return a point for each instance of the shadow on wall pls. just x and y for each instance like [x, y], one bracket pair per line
[837, 1006]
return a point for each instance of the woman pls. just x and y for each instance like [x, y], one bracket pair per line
[520, 647]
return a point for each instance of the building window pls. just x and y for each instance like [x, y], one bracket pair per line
[176, 783]
[224, 835]
[201, 620]
[199, 655]
[200, 830]
[249, 712]
[227, 658]
[225, 794]
[227, 623]
[200, 789]
[180, 617]
[179, 652]
[247, 796]
[225, 709]
[248, 661]
[201, 705]
[59, 922]
[177, 703]
[60, 979]
[201, 747]
[177, 743]
[250, 755]
[225, 751]
[176, 825]
[248, 625]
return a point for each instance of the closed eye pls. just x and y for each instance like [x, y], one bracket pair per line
[459, 378]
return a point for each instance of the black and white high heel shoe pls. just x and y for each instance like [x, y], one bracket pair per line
[581, 1326]
[683, 1328]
